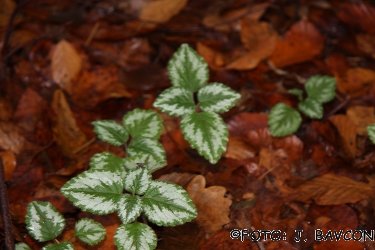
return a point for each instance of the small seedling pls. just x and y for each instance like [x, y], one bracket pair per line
[284, 120]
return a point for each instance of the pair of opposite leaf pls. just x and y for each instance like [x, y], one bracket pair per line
[201, 125]
[284, 120]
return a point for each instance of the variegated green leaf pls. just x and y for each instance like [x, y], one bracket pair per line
[89, 231]
[283, 120]
[167, 204]
[22, 246]
[217, 97]
[111, 132]
[95, 191]
[150, 162]
[136, 236]
[146, 146]
[137, 180]
[109, 162]
[187, 69]
[297, 92]
[43, 221]
[129, 208]
[311, 108]
[207, 133]
[176, 101]
[371, 132]
[143, 123]
[321, 88]
[60, 246]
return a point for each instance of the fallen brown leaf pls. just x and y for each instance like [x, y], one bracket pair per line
[348, 133]
[362, 117]
[331, 189]
[67, 134]
[11, 137]
[213, 58]
[98, 85]
[213, 207]
[302, 43]
[357, 82]
[66, 64]
[238, 149]
[161, 11]
[29, 110]
[9, 161]
[259, 38]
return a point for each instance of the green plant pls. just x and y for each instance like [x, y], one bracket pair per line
[284, 120]
[371, 132]
[44, 223]
[124, 185]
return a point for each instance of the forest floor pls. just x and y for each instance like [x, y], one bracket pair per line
[68, 63]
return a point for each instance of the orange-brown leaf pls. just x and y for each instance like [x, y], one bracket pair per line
[331, 189]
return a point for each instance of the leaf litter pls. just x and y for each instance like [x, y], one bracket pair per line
[59, 81]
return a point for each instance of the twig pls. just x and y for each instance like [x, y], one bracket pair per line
[5, 212]
[92, 34]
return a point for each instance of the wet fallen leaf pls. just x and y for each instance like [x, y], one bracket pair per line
[362, 117]
[357, 82]
[9, 161]
[66, 64]
[241, 124]
[213, 207]
[331, 189]
[348, 133]
[11, 137]
[68, 135]
[259, 38]
[6, 110]
[301, 43]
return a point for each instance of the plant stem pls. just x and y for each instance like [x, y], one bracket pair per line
[5, 212]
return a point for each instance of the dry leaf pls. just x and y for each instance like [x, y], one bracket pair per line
[6, 9]
[9, 161]
[213, 58]
[66, 64]
[348, 133]
[67, 134]
[362, 117]
[331, 189]
[357, 13]
[29, 110]
[366, 43]
[238, 149]
[6, 110]
[302, 43]
[259, 38]
[11, 137]
[213, 207]
[98, 85]
[357, 82]
[162, 11]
